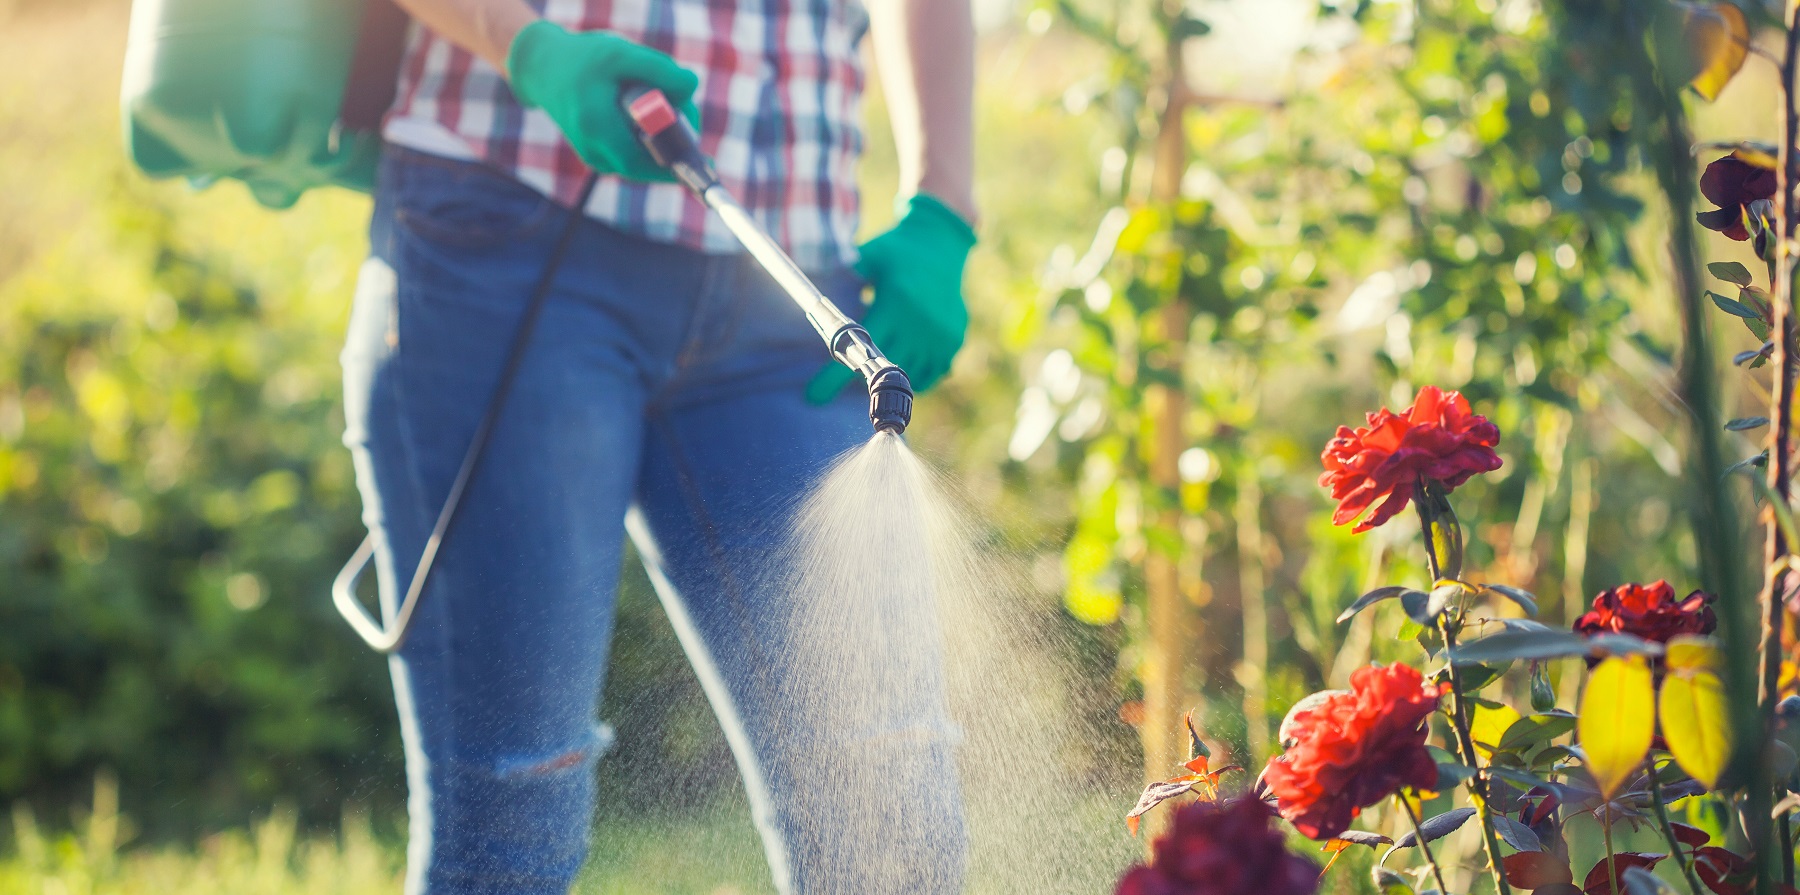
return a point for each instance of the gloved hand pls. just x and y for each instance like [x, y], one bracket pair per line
[577, 78]
[917, 317]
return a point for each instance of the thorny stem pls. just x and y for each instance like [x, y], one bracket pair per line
[1781, 402]
[1668, 831]
[1787, 214]
[1424, 847]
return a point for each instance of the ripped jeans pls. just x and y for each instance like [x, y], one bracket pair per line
[660, 397]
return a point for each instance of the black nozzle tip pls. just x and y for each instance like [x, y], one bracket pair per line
[890, 400]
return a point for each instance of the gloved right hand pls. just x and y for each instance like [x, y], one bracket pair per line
[576, 78]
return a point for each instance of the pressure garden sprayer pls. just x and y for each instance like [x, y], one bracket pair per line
[672, 143]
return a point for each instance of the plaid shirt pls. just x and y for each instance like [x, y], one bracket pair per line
[780, 106]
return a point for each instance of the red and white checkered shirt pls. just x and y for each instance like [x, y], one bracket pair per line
[780, 108]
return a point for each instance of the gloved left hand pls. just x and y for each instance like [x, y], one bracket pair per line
[917, 317]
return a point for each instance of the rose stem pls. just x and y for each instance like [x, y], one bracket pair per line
[1419, 831]
[1423, 497]
[1612, 863]
[1459, 719]
[1668, 831]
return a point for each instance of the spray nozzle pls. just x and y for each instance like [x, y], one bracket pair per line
[890, 392]
[890, 400]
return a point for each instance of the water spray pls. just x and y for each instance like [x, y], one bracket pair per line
[672, 144]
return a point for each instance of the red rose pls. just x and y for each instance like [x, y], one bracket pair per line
[1649, 611]
[1732, 183]
[1438, 438]
[1222, 849]
[1353, 749]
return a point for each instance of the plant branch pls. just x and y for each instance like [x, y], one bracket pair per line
[1668, 831]
[1424, 847]
[1713, 510]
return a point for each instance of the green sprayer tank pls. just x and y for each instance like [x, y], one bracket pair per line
[249, 89]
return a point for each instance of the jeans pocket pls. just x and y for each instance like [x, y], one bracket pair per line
[461, 204]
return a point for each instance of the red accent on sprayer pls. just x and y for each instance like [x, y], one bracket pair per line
[653, 113]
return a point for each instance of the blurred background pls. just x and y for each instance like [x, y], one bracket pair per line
[1172, 314]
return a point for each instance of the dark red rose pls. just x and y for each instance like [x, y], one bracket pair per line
[1732, 183]
[1354, 748]
[1649, 611]
[1222, 849]
[1438, 438]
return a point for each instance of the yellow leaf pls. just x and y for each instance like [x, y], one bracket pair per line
[1688, 652]
[1488, 725]
[1719, 40]
[1618, 716]
[1695, 725]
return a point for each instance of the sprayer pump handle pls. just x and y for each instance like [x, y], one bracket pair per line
[667, 136]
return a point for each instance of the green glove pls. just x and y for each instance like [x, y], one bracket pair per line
[577, 78]
[917, 317]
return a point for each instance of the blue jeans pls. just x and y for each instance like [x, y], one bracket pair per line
[661, 397]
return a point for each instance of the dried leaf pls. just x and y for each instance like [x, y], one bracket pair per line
[1157, 793]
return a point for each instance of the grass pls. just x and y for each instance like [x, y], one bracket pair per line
[714, 853]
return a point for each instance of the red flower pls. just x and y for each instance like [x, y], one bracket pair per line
[1732, 183]
[1438, 438]
[1353, 749]
[1649, 611]
[1222, 849]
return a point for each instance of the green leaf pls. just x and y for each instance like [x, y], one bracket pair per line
[1514, 644]
[1452, 774]
[1732, 306]
[1526, 599]
[1618, 718]
[1731, 272]
[1436, 828]
[1639, 881]
[1418, 608]
[1489, 725]
[1695, 724]
[1370, 599]
[1534, 729]
[1474, 677]
[1617, 644]
[1746, 422]
[1516, 834]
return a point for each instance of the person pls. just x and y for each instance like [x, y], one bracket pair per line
[670, 392]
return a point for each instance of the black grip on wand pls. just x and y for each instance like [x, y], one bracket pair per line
[667, 136]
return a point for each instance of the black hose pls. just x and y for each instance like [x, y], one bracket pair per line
[515, 358]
